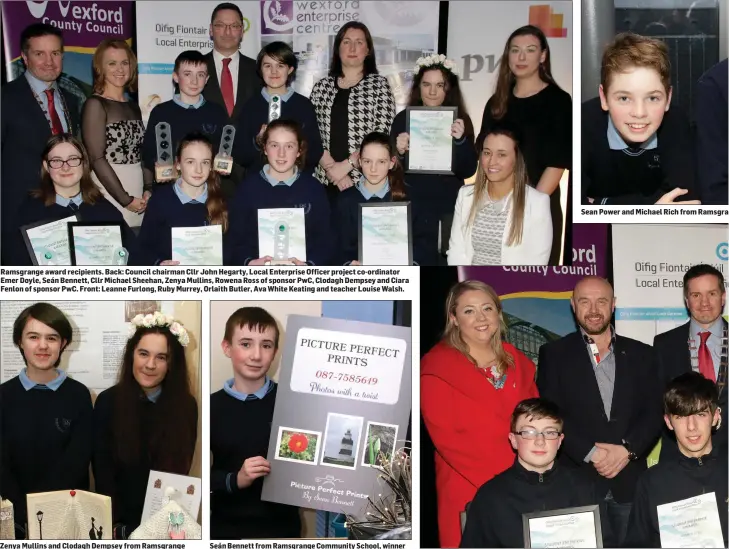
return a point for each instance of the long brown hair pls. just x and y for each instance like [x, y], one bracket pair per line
[97, 64]
[171, 438]
[290, 125]
[452, 334]
[396, 175]
[453, 96]
[217, 208]
[521, 180]
[90, 193]
[506, 80]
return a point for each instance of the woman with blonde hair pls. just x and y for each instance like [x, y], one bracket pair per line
[470, 383]
[112, 130]
[501, 220]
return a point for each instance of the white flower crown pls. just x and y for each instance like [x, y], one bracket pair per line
[435, 60]
[160, 320]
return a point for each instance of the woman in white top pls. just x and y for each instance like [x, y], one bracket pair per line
[501, 220]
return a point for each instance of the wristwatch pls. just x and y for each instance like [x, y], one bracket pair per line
[631, 455]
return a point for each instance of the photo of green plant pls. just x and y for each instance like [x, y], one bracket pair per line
[379, 444]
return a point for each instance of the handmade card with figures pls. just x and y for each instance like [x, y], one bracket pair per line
[69, 514]
[187, 492]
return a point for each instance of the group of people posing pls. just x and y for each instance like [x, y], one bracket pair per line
[341, 147]
[51, 433]
[511, 439]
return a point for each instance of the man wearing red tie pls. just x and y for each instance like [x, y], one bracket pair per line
[233, 76]
[33, 108]
[699, 345]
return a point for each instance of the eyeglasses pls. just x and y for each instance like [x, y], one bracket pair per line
[531, 434]
[73, 162]
[223, 26]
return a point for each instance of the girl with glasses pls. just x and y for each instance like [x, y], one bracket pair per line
[66, 189]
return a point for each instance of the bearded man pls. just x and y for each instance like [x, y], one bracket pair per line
[607, 389]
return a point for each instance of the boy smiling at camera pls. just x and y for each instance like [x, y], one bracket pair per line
[535, 482]
[636, 145]
[240, 426]
[690, 405]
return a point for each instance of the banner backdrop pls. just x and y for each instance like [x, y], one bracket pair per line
[477, 34]
[536, 300]
[401, 31]
[652, 260]
[84, 25]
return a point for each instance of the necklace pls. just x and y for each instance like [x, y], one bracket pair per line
[345, 83]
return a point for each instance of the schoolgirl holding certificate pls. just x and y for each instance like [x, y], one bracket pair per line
[66, 189]
[276, 66]
[194, 200]
[281, 183]
[147, 421]
[382, 180]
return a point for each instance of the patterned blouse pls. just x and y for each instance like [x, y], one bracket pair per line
[488, 231]
[371, 109]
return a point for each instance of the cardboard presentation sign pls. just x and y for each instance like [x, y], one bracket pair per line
[343, 405]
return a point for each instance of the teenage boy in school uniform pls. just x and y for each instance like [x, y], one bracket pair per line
[187, 112]
[535, 482]
[636, 145]
[240, 426]
[691, 411]
[45, 416]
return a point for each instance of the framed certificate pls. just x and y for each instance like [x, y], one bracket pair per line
[692, 522]
[47, 241]
[385, 236]
[97, 243]
[198, 245]
[282, 234]
[431, 143]
[573, 527]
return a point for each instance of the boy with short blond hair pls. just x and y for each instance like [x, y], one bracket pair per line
[636, 145]
[240, 427]
[536, 482]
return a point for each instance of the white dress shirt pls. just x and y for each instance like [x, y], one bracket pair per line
[234, 63]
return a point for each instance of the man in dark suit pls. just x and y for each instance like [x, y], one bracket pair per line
[712, 137]
[33, 109]
[233, 76]
[684, 349]
[607, 388]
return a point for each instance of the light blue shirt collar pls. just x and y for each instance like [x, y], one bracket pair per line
[37, 85]
[177, 98]
[185, 199]
[154, 395]
[617, 143]
[285, 97]
[28, 383]
[716, 329]
[259, 394]
[62, 201]
[266, 173]
[382, 193]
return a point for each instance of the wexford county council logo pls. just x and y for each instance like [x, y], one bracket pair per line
[550, 23]
[38, 9]
[277, 17]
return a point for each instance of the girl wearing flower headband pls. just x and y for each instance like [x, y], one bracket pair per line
[434, 196]
[147, 421]
[527, 98]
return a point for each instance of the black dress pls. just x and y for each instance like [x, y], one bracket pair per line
[544, 124]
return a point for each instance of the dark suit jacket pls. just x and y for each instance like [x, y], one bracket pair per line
[674, 359]
[248, 84]
[566, 376]
[24, 131]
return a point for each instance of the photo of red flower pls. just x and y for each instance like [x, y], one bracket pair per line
[298, 443]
